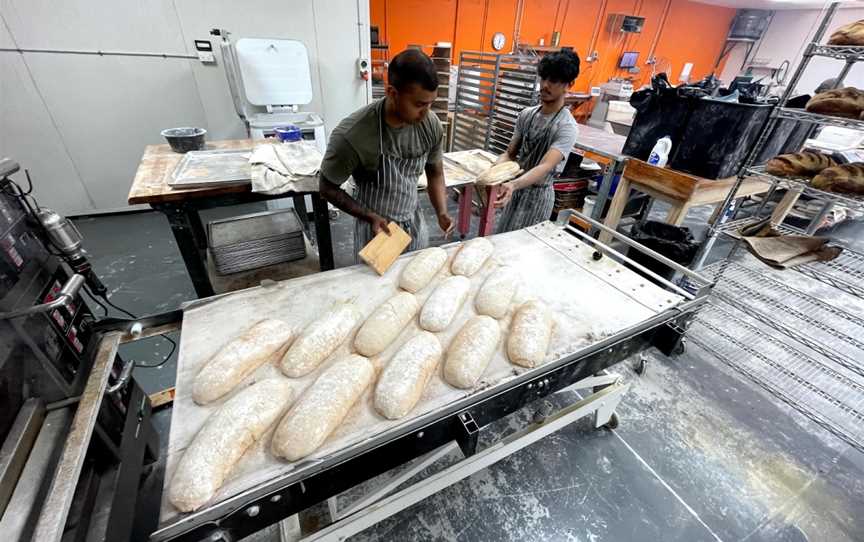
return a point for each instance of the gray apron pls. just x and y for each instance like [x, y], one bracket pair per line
[533, 204]
[393, 194]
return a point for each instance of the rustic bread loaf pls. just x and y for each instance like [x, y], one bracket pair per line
[799, 164]
[385, 324]
[471, 256]
[319, 339]
[471, 351]
[530, 334]
[840, 102]
[422, 269]
[845, 179]
[404, 379]
[850, 34]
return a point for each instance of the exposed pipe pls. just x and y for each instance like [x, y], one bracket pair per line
[596, 30]
[520, 7]
[96, 53]
[659, 30]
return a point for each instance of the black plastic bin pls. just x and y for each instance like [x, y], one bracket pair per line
[674, 242]
[710, 138]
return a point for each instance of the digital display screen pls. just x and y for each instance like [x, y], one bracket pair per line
[628, 59]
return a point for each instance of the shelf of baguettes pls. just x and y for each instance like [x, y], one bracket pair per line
[850, 201]
[827, 120]
[844, 52]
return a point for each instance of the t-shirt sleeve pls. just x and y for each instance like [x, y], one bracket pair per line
[436, 153]
[565, 137]
[340, 159]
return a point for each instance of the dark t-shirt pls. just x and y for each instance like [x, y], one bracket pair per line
[353, 148]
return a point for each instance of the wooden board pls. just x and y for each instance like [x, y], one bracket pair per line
[383, 249]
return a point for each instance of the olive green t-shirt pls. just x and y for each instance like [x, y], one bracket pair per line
[353, 148]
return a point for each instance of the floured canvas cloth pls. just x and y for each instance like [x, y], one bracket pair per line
[285, 167]
[784, 251]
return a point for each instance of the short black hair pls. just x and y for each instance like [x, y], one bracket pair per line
[412, 66]
[559, 67]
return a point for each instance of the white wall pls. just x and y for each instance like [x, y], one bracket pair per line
[80, 123]
[785, 39]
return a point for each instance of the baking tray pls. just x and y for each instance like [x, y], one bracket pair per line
[253, 227]
[592, 301]
[212, 168]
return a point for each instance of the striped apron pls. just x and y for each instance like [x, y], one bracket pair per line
[533, 204]
[393, 193]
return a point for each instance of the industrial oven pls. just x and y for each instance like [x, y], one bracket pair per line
[52, 458]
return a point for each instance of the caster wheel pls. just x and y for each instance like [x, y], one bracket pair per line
[680, 348]
[641, 365]
[612, 423]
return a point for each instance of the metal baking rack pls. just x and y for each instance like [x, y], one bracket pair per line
[491, 90]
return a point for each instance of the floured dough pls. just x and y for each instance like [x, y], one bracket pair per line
[472, 256]
[422, 268]
[322, 407]
[497, 292]
[471, 351]
[444, 303]
[319, 339]
[403, 380]
[225, 437]
[530, 334]
[385, 324]
[240, 357]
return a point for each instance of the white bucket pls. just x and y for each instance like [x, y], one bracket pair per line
[588, 206]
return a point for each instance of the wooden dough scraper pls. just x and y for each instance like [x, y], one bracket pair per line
[383, 249]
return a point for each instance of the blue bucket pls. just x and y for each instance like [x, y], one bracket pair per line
[289, 133]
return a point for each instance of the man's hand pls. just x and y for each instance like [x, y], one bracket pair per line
[378, 223]
[505, 193]
[446, 224]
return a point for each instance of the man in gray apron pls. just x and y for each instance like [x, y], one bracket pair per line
[385, 146]
[542, 141]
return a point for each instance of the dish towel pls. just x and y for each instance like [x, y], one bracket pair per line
[285, 167]
[785, 251]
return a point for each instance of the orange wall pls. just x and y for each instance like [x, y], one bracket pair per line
[692, 32]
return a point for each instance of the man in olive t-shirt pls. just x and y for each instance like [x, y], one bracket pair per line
[385, 146]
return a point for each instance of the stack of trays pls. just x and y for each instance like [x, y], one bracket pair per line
[256, 240]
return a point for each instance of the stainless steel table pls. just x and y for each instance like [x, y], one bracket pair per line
[608, 146]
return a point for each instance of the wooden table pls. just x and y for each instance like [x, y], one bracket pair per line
[181, 207]
[681, 190]
[608, 146]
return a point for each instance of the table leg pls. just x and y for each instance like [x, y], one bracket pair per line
[603, 190]
[322, 232]
[619, 202]
[464, 218]
[300, 206]
[487, 214]
[677, 213]
[189, 235]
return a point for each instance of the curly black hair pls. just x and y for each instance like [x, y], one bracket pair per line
[412, 66]
[559, 67]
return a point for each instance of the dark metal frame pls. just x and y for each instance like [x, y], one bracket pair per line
[185, 221]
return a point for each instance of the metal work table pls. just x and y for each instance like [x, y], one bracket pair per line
[606, 145]
[181, 207]
[262, 490]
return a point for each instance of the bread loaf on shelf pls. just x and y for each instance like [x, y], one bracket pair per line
[799, 164]
[849, 34]
[845, 179]
[839, 102]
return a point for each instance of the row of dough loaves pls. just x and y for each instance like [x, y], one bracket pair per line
[244, 418]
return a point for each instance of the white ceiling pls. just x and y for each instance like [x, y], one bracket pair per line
[780, 4]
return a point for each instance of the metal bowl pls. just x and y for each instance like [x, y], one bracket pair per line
[185, 139]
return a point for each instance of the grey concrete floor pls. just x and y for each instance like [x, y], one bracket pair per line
[701, 452]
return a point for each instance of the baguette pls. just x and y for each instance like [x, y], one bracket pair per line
[799, 164]
[471, 351]
[422, 268]
[840, 102]
[530, 334]
[385, 324]
[322, 407]
[318, 340]
[850, 34]
[845, 179]
[224, 438]
[444, 303]
[239, 358]
[403, 380]
[471, 256]
[497, 291]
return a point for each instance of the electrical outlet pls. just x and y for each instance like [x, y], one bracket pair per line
[595, 91]
[592, 57]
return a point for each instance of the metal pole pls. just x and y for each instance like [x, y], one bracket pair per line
[96, 53]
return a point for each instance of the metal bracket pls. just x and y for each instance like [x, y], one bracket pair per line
[468, 431]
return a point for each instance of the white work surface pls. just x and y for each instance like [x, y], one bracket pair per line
[590, 299]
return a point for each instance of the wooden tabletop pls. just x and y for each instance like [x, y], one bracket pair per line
[158, 163]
